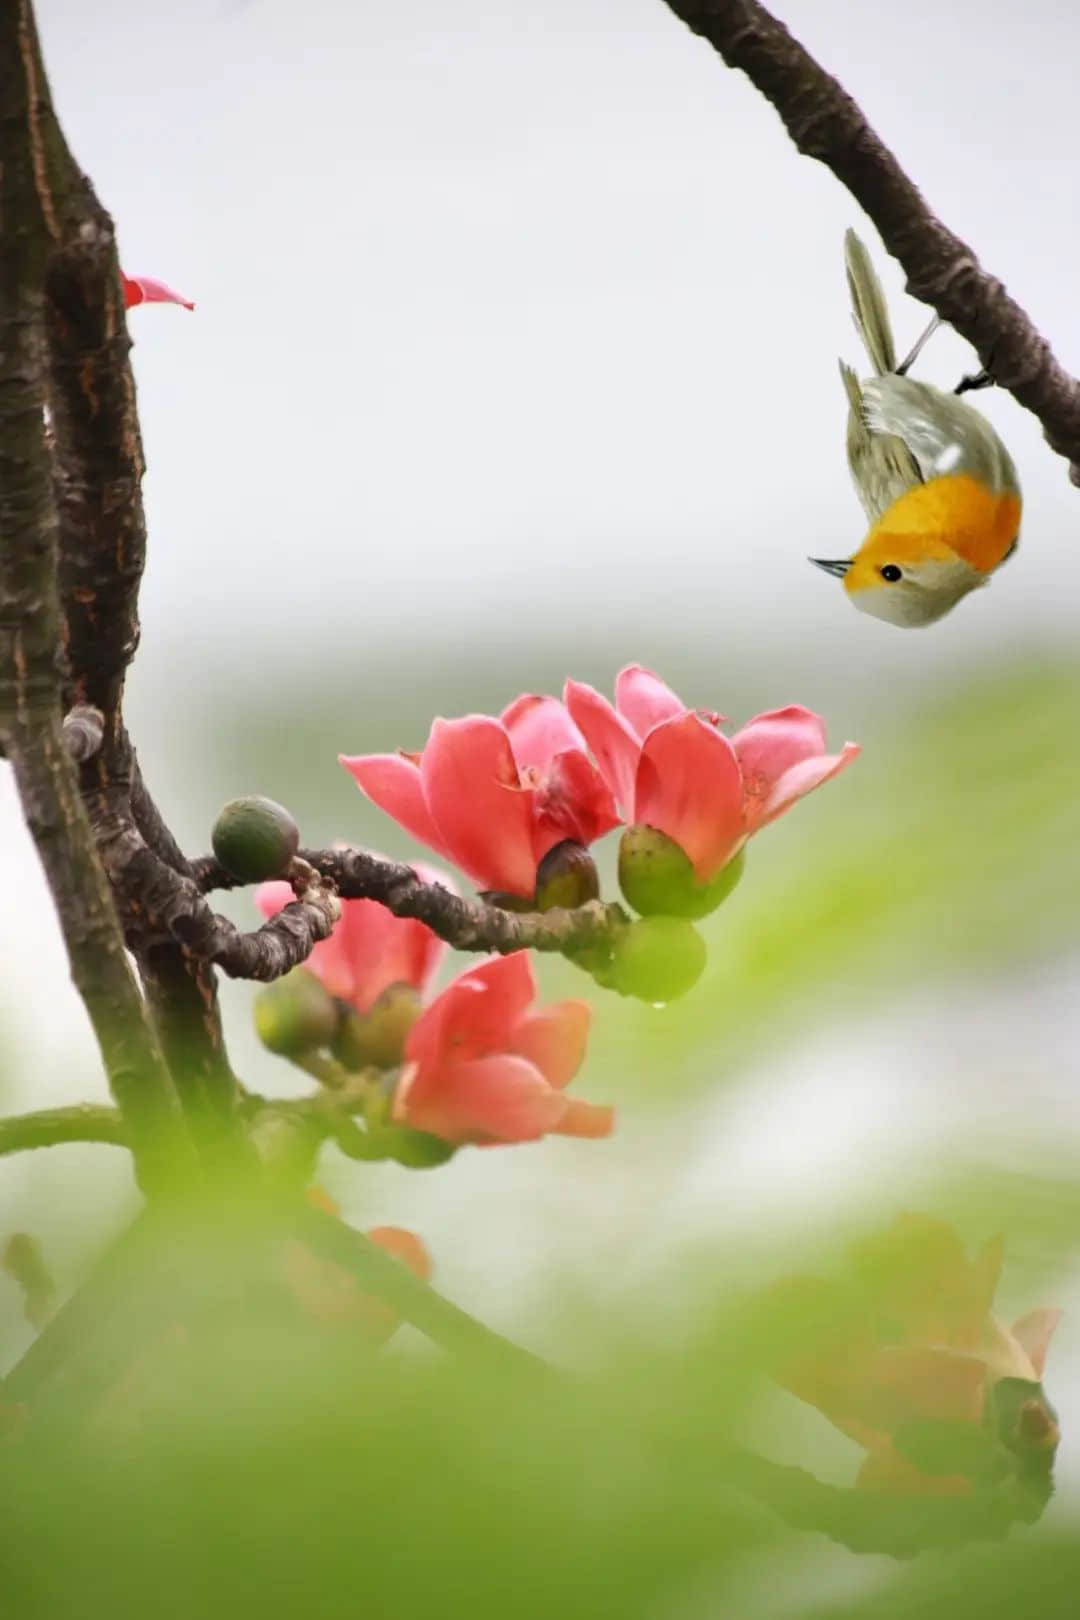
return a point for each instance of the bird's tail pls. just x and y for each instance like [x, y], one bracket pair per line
[868, 305]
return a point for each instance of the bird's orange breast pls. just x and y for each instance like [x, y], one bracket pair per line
[957, 511]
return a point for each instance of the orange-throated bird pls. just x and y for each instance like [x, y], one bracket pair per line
[936, 482]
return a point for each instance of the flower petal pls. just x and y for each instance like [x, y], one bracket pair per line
[1033, 1333]
[539, 728]
[572, 801]
[689, 787]
[331, 960]
[393, 783]
[476, 1014]
[615, 746]
[585, 1119]
[483, 815]
[801, 779]
[378, 950]
[771, 744]
[148, 290]
[643, 700]
[501, 1098]
[554, 1039]
[404, 1246]
[920, 1381]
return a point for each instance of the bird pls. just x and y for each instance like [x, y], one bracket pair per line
[938, 487]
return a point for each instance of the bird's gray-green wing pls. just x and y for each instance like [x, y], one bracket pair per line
[882, 466]
[943, 433]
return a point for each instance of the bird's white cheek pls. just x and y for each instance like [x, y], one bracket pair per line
[908, 610]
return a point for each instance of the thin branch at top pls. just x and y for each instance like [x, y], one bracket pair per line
[942, 271]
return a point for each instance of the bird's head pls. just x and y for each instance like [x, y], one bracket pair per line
[906, 579]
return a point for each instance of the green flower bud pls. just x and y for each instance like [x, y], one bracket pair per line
[566, 877]
[658, 959]
[418, 1150]
[295, 1014]
[255, 839]
[376, 1039]
[288, 1147]
[658, 879]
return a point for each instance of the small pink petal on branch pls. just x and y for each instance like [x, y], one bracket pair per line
[148, 290]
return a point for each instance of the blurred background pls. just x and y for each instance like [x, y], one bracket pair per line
[514, 357]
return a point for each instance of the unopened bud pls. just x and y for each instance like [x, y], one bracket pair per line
[376, 1039]
[417, 1150]
[566, 877]
[658, 959]
[296, 1014]
[657, 877]
[255, 839]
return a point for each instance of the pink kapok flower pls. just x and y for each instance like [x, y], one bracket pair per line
[494, 795]
[328, 1293]
[147, 290]
[672, 769]
[910, 1340]
[370, 949]
[483, 1066]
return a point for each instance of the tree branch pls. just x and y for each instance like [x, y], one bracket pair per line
[873, 1522]
[942, 271]
[51, 1127]
[35, 189]
[467, 925]
[99, 467]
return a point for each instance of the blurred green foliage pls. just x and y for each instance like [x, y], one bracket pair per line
[281, 1473]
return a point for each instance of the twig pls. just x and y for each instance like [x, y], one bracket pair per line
[467, 925]
[80, 1122]
[382, 1275]
[942, 271]
[34, 192]
[873, 1522]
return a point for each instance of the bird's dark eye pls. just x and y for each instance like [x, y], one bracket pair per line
[891, 573]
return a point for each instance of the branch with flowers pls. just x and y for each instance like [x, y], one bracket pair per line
[906, 1357]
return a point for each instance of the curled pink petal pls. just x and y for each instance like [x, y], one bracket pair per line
[148, 290]
[643, 700]
[483, 815]
[477, 1013]
[501, 1098]
[554, 1040]
[800, 780]
[770, 744]
[690, 788]
[615, 746]
[539, 728]
[393, 783]
[1033, 1333]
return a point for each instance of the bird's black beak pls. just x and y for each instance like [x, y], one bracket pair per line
[837, 569]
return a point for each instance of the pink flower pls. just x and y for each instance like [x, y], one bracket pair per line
[671, 768]
[482, 1067]
[370, 949]
[494, 796]
[145, 290]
